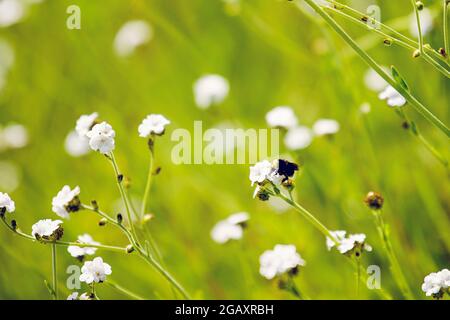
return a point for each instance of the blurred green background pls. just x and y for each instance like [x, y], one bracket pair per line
[272, 53]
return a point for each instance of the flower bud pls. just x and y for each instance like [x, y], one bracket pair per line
[416, 53]
[102, 222]
[2, 212]
[130, 248]
[289, 184]
[419, 5]
[442, 52]
[120, 178]
[14, 224]
[388, 42]
[94, 205]
[119, 218]
[374, 200]
[147, 217]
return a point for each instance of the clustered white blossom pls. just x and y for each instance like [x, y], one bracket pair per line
[153, 124]
[66, 201]
[85, 123]
[353, 243]
[231, 228]
[76, 296]
[95, 271]
[436, 284]
[282, 259]
[47, 229]
[392, 97]
[101, 138]
[299, 137]
[131, 35]
[385, 91]
[80, 252]
[6, 203]
[209, 90]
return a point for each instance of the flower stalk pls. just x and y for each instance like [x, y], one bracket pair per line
[54, 272]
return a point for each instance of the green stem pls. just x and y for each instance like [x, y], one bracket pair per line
[372, 63]
[358, 276]
[123, 195]
[54, 272]
[395, 266]
[150, 260]
[124, 291]
[148, 184]
[445, 23]
[308, 216]
[419, 27]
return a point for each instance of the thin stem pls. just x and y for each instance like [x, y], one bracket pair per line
[148, 183]
[311, 219]
[124, 290]
[419, 27]
[387, 246]
[150, 260]
[445, 24]
[123, 195]
[358, 276]
[54, 272]
[372, 63]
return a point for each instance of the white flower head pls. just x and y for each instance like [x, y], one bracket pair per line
[83, 296]
[47, 229]
[6, 203]
[225, 231]
[436, 284]
[80, 252]
[102, 138]
[131, 35]
[260, 171]
[426, 23]
[298, 138]
[393, 97]
[14, 136]
[238, 218]
[210, 90]
[11, 12]
[85, 123]
[66, 201]
[354, 243]
[153, 124]
[324, 127]
[281, 117]
[365, 108]
[95, 271]
[76, 145]
[374, 81]
[282, 259]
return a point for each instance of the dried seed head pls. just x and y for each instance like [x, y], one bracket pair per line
[374, 200]
[74, 205]
[262, 195]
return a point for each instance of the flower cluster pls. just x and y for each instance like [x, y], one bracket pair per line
[77, 296]
[209, 90]
[153, 124]
[47, 229]
[66, 201]
[436, 284]
[132, 35]
[81, 252]
[353, 244]
[6, 203]
[281, 260]
[95, 271]
[298, 136]
[231, 228]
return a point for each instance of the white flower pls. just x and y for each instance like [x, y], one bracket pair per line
[95, 271]
[260, 171]
[281, 117]
[102, 138]
[426, 23]
[153, 124]
[365, 108]
[298, 138]
[324, 127]
[347, 244]
[66, 201]
[436, 283]
[76, 145]
[393, 97]
[74, 296]
[132, 35]
[374, 81]
[85, 123]
[11, 12]
[210, 90]
[225, 231]
[76, 251]
[281, 259]
[47, 229]
[6, 202]
[14, 136]
[238, 218]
